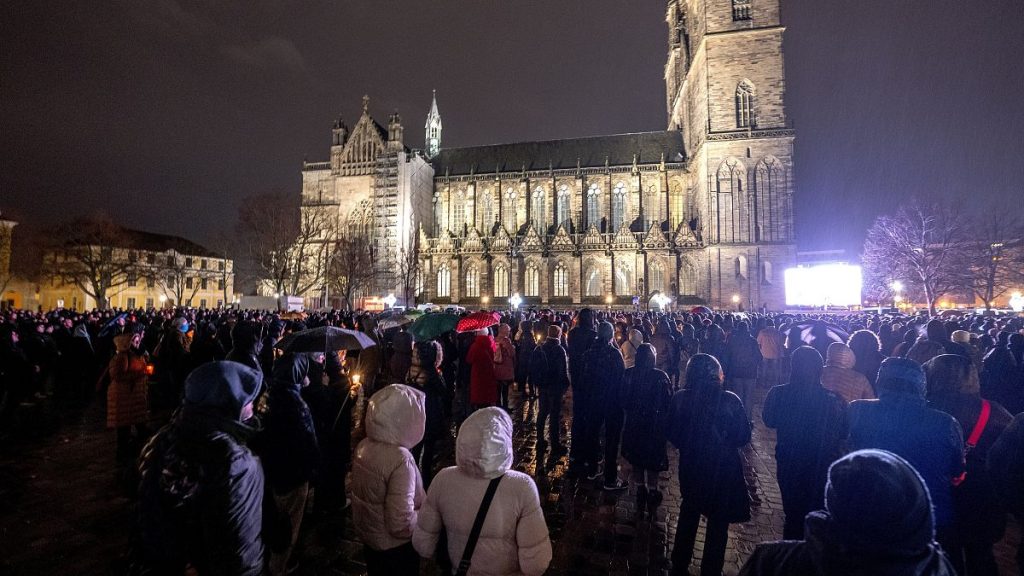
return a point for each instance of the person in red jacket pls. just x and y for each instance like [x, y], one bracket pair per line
[483, 385]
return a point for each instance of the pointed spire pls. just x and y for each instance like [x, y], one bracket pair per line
[432, 129]
[433, 104]
[366, 104]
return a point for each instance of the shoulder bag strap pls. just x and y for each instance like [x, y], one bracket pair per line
[478, 524]
[979, 426]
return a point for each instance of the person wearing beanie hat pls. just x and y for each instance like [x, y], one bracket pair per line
[201, 488]
[578, 341]
[812, 427]
[839, 376]
[549, 375]
[901, 422]
[877, 521]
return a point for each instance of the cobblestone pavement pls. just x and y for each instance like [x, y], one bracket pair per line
[64, 509]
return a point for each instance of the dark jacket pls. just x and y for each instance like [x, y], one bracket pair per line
[646, 400]
[1006, 465]
[665, 345]
[580, 339]
[290, 451]
[201, 497]
[549, 367]
[742, 356]
[603, 370]
[709, 427]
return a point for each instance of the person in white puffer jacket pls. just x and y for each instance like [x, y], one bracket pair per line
[387, 490]
[514, 538]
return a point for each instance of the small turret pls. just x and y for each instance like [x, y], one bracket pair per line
[339, 133]
[395, 131]
[432, 142]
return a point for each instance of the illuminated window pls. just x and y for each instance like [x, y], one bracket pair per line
[563, 206]
[537, 209]
[593, 285]
[561, 280]
[488, 205]
[472, 281]
[532, 280]
[618, 206]
[593, 206]
[656, 278]
[459, 213]
[745, 105]
[740, 10]
[444, 282]
[500, 281]
[766, 272]
[623, 280]
[508, 211]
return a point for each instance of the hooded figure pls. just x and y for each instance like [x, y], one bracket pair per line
[840, 377]
[645, 398]
[901, 422]
[514, 538]
[812, 427]
[981, 518]
[387, 490]
[877, 521]
[201, 492]
[603, 369]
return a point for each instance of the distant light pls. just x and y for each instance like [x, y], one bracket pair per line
[824, 285]
[608, 299]
[390, 300]
[162, 298]
[1017, 302]
[277, 294]
[515, 300]
[897, 286]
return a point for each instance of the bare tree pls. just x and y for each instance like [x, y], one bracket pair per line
[921, 245]
[408, 270]
[352, 270]
[91, 253]
[178, 276]
[994, 255]
[267, 226]
[310, 251]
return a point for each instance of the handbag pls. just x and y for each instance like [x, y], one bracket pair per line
[474, 534]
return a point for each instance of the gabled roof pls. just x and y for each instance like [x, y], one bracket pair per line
[590, 152]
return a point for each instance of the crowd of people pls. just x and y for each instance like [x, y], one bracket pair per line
[900, 439]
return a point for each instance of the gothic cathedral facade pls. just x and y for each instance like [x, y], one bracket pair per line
[700, 212]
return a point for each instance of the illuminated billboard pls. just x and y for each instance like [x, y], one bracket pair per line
[823, 285]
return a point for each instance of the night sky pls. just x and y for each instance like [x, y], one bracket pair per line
[165, 113]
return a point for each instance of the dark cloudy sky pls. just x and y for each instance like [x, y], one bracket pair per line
[165, 113]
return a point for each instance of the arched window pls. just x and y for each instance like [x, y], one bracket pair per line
[509, 210]
[500, 281]
[618, 206]
[741, 266]
[459, 213]
[770, 214]
[745, 116]
[594, 206]
[687, 279]
[656, 277]
[593, 284]
[623, 279]
[766, 272]
[472, 281]
[537, 210]
[652, 208]
[561, 281]
[532, 280]
[731, 224]
[563, 206]
[444, 282]
[487, 202]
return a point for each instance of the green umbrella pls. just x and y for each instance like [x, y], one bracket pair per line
[430, 326]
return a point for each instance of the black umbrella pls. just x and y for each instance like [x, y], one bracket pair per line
[325, 339]
[112, 326]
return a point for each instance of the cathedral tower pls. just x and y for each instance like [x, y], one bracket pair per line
[725, 88]
[432, 141]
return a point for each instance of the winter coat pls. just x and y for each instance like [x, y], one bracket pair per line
[291, 454]
[709, 427]
[401, 357]
[665, 346]
[629, 347]
[483, 386]
[772, 343]
[549, 367]
[126, 396]
[506, 369]
[603, 370]
[1006, 466]
[1002, 380]
[812, 428]
[742, 356]
[201, 497]
[387, 490]
[646, 400]
[578, 341]
[839, 376]
[525, 344]
[930, 440]
[514, 538]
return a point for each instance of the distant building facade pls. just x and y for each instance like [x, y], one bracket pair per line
[700, 212]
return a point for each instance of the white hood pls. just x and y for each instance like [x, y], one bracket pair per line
[484, 446]
[397, 415]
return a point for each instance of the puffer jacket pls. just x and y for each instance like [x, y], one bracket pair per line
[387, 490]
[514, 538]
[629, 347]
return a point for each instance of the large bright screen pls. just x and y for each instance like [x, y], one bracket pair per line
[823, 285]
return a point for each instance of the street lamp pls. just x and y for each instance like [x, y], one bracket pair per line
[1017, 302]
[515, 301]
[608, 301]
[897, 287]
[484, 300]
[163, 300]
[390, 300]
[736, 300]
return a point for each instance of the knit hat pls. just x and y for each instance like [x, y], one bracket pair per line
[554, 332]
[961, 336]
[900, 375]
[605, 331]
[840, 355]
[870, 489]
[226, 386]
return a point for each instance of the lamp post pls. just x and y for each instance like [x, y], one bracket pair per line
[515, 301]
[897, 287]
[484, 300]
[608, 302]
[736, 300]
[390, 300]
[163, 300]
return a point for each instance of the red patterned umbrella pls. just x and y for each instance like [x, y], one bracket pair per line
[478, 321]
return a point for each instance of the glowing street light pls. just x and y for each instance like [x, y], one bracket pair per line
[484, 300]
[390, 300]
[163, 300]
[277, 294]
[896, 286]
[1017, 302]
[515, 300]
